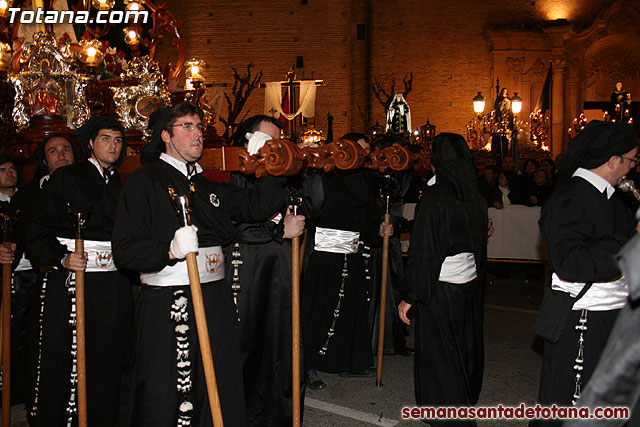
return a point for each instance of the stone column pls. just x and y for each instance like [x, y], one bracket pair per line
[558, 133]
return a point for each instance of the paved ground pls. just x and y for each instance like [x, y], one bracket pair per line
[512, 366]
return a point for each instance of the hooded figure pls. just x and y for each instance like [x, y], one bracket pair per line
[444, 281]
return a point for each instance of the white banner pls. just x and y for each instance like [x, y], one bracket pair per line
[514, 233]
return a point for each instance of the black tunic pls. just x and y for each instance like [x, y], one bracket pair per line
[108, 301]
[145, 226]
[583, 230]
[25, 302]
[395, 341]
[449, 359]
[348, 204]
[616, 380]
[264, 310]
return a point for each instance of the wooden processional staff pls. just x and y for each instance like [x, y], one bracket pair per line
[383, 295]
[295, 321]
[182, 205]
[7, 225]
[79, 220]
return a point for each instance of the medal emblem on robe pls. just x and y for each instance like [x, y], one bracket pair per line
[104, 259]
[214, 200]
[213, 262]
[491, 227]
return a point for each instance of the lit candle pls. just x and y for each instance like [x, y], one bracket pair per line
[195, 70]
[133, 35]
[5, 56]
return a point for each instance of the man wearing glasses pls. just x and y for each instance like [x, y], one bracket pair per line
[584, 224]
[169, 380]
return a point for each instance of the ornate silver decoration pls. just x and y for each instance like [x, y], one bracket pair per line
[47, 84]
[134, 104]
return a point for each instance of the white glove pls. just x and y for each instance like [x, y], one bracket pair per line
[185, 241]
[256, 140]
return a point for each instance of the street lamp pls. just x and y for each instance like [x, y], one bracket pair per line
[516, 103]
[478, 104]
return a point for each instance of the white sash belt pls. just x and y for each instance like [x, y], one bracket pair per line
[458, 269]
[100, 255]
[601, 296]
[336, 241]
[210, 269]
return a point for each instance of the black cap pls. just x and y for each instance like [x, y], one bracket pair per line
[596, 144]
[4, 159]
[157, 122]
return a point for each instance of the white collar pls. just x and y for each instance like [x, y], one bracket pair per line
[43, 180]
[180, 165]
[6, 198]
[596, 180]
[100, 168]
[432, 181]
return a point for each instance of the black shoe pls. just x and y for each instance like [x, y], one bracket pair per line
[365, 373]
[313, 381]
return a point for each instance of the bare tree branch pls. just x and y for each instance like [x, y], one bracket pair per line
[365, 116]
[386, 97]
[408, 84]
[242, 88]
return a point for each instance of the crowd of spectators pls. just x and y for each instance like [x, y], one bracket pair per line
[504, 184]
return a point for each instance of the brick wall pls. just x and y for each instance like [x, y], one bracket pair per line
[441, 41]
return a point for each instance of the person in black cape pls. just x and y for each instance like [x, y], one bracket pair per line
[335, 284]
[444, 280]
[394, 185]
[51, 153]
[259, 265]
[21, 284]
[147, 237]
[583, 224]
[94, 185]
[615, 383]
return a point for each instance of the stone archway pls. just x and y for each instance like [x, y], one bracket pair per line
[611, 59]
[605, 52]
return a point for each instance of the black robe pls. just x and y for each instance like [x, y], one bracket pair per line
[264, 312]
[582, 230]
[395, 341]
[145, 225]
[449, 359]
[347, 204]
[616, 379]
[25, 301]
[108, 301]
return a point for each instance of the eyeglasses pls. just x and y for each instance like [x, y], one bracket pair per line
[635, 160]
[190, 127]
